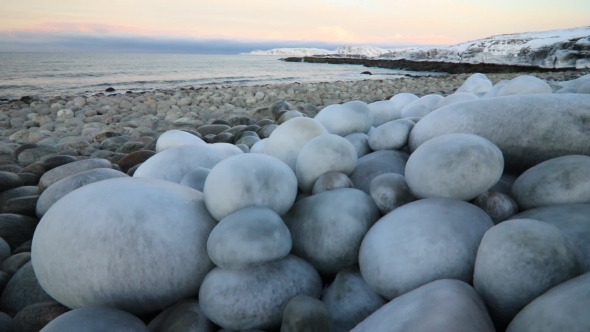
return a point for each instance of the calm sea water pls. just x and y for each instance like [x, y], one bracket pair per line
[55, 74]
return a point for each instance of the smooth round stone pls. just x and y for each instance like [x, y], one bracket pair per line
[24, 247]
[391, 136]
[176, 138]
[246, 133]
[13, 263]
[222, 122]
[562, 308]
[196, 178]
[374, 164]
[416, 111]
[493, 92]
[573, 220]
[134, 158]
[567, 90]
[304, 313]
[331, 181]
[524, 84]
[266, 131]
[96, 320]
[208, 138]
[243, 147]
[56, 161]
[186, 316]
[390, 191]
[247, 238]
[66, 185]
[384, 111]
[442, 305]
[400, 100]
[213, 129]
[29, 179]
[19, 192]
[224, 137]
[323, 154]
[585, 88]
[250, 179]
[36, 316]
[265, 122]
[350, 300]
[421, 242]
[4, 250]
[6, 324]
[458, 166]
[137, 275]
[504, 185]
[66, 170]
[9, 181]
[173, 164]
[360, 142]
[529, 129]
[256, 298]
[249, 141]
[11, 168]
[286, 141]
[476, 83]
[235, 130]
[23, 205]
[456, 97]
[22, 290]
[259, 146]
[563, 180]
[498, 206]
[517, 261]
[429, 101]
[280, 106]
[327, 228]
[23, 148]
[345, 119]
[30, 156]
[288, 115]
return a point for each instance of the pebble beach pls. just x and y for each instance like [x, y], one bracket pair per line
[314, 206]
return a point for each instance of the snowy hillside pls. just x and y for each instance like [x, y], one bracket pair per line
[369, 51]
[291, 52]
[549, 49]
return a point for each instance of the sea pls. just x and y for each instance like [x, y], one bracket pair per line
[65, 74]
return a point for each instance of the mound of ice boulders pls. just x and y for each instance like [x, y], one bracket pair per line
[466, 212]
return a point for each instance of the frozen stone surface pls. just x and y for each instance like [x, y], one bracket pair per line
[524, 84]
[476, 83]
[95, 320]
[351, 117]
[176, 138]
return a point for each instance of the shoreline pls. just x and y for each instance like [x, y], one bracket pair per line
[427, 65]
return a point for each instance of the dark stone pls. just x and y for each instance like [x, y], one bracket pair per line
[5, 323]
[30, 156]
[245, 134]
[9, 180]
[15, 262]
[209, 138]
[366, 73]
[220, 122]
[22, 205]
[102, 136]
[29, 179]
[56, 161]
[4, 279]
[113, 143]
[12, 168]
[37, 169]
[130, 147]
[133, 159]
[374, 164]
[24, 247]
[212, 129]
[109, 90]
[132, 170]
[22, 148]
[151, 146]
[304, 313]
[16, 229]
[253, 128]
[224, 137]
[34, 317]
[265, 131]
[116, 157]
[235, 130]
[22, 290]
[279, 106]
[279, 114]
[265, 122]
[183, 316]
[246, 121]
[18, 192]
[193, 133]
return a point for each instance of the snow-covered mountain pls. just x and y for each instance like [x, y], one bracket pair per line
[364, 51]
[549, 49]
[291, 52]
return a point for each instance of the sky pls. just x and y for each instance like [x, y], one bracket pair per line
[233, 26]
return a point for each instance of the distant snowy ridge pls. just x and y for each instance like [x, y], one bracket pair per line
[365, 51]
[568, 48]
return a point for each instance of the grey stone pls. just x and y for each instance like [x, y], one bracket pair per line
[66, 170]
[456, 97]
[249, 237]
[22, 205]
[563, 180]
[585, 88]
[562, 308]
[442, 305]
[360, 142]
[498, 206]
[421, 242]
[391, 135]
[22, 290]
[529, 129]
[9, 180]
[288, 115]
[68, 184]
[422, 106]
[345, 119]
[377, 163]
[16, 229]
[196, 178]
[390, 191]
[573, 220]
[304, 313]
[36, 316]
[248, 141]
[164, 262]
[384, 111]
[458, 166]
[4, 250]
[266, 131]
[517, 261]
[175, 139]
[350, 300]
[95, 320]
[331, 181]
[328, 228]
[185, 316]
[19, 192]
[249, 179]
[212, 129]
[256, 298]
[30, 156]
[5, 323]
[13, 263]
[323, 154]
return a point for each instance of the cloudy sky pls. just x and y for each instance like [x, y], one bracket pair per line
[232, 26]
